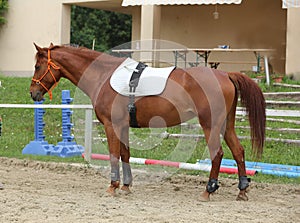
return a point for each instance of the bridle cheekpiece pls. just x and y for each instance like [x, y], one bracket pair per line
[50, 64]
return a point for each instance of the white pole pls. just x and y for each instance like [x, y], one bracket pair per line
[93, 46]
[45, 106]
[267, 70]
[88, 134]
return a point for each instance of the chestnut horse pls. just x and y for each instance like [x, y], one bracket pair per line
[209, 94]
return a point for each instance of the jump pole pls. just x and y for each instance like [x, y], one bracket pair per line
[180, 165]
[264, 168]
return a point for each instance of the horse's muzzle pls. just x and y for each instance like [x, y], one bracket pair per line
[36, 96]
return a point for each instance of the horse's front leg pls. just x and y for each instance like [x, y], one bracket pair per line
[118, 139]
[114, 153]
[125, 156]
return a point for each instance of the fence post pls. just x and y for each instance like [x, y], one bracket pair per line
[0, 126]
[88, 134]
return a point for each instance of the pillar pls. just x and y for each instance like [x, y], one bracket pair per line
[292, 42]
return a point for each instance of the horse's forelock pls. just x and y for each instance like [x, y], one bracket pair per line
[52, 47]
[40, 55]
[44, 52]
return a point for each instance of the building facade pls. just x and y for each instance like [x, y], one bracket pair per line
[250, 24]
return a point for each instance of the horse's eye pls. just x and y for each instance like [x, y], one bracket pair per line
[37, 67]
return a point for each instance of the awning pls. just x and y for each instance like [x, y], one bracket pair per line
[178, 2]
[290, 4]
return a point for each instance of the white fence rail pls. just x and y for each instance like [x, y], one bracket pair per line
[240, 111]
[45, 106]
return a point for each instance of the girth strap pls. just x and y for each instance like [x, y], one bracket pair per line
[134, 81]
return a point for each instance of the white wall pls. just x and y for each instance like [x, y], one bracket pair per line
[29, 21]
[261, 24]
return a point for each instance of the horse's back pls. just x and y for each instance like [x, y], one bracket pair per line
[209, 89]
[210, 81]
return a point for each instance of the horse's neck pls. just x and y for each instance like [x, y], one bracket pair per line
[97, 74]
[90, 71]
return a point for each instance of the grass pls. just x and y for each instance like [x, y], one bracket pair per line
[18, 131]
[18, 124]
[270, 88]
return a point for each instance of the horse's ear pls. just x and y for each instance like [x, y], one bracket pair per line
[39, 49]
[51, 45]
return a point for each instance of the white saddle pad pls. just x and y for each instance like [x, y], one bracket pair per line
[152, 80]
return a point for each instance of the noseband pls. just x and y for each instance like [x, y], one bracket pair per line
[39, 81]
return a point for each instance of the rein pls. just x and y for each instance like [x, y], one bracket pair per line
[39, 81]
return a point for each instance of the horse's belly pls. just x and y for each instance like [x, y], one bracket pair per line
[159, 112]
[161, 121]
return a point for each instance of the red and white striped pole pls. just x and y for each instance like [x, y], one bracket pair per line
[180, 165]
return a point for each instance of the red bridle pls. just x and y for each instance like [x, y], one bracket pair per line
[39, 81]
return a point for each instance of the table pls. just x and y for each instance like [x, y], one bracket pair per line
[204, 53]
[259, 53]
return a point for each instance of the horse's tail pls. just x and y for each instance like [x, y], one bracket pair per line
[253, 100]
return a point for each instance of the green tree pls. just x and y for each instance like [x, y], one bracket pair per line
[109, 29]
[3, 10]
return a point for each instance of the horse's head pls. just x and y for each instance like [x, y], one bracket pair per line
[46, 74]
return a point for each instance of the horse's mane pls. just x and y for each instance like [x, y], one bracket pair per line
[72, 47]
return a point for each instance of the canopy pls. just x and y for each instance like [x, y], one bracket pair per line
[178, 2]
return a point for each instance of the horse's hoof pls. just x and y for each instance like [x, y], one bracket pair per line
[242, 196]
[205, 196]
[112, 188]
[125, 190]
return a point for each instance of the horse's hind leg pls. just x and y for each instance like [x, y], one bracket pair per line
[237, 150]
[216, 153]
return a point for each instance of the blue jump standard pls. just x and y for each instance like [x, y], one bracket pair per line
[67, 147]
[38, 146]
